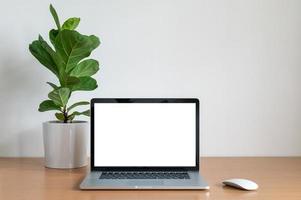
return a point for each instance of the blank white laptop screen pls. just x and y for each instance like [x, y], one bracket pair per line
[144, 134]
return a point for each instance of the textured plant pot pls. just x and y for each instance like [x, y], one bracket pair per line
[65, 144]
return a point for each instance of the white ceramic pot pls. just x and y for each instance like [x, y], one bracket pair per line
[66, 144]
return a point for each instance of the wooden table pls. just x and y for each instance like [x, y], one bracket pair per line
[278, 178]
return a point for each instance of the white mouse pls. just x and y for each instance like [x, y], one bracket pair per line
[241, 184]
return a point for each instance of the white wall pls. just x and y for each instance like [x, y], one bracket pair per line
[241, 58]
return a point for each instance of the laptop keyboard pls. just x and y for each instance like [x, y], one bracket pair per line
[144, 175]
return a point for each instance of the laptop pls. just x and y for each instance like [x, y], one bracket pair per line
[143, 143]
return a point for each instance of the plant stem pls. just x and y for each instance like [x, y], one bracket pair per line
[65, 114]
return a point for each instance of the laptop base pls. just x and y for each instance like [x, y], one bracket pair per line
[93, 182]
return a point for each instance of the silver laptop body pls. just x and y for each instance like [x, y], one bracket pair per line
[143, 143]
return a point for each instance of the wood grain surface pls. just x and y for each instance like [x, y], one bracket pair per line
[278, 178]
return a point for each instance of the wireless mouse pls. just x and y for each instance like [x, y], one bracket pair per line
[243, 184]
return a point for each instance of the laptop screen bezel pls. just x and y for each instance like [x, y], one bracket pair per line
[144, 100]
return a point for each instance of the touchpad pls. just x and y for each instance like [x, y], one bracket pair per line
[145, 182]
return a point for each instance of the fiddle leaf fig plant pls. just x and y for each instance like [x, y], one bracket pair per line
[67, 58]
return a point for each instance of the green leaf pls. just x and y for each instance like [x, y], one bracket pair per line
[48, 105]
[70, 118]
[71, 81]
[86, 113]
[60, 70]
[85, 68]
[71, 23]
[59, 63]
[52, 35]
[86, 84]
[38, 51]
[55, 17]
[94, 41]
[60, 116]
[55, 87]
[51, 52]
[72, 47]
[60, 97]
[81, 103]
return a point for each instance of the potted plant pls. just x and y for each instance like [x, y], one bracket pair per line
[65, 140]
